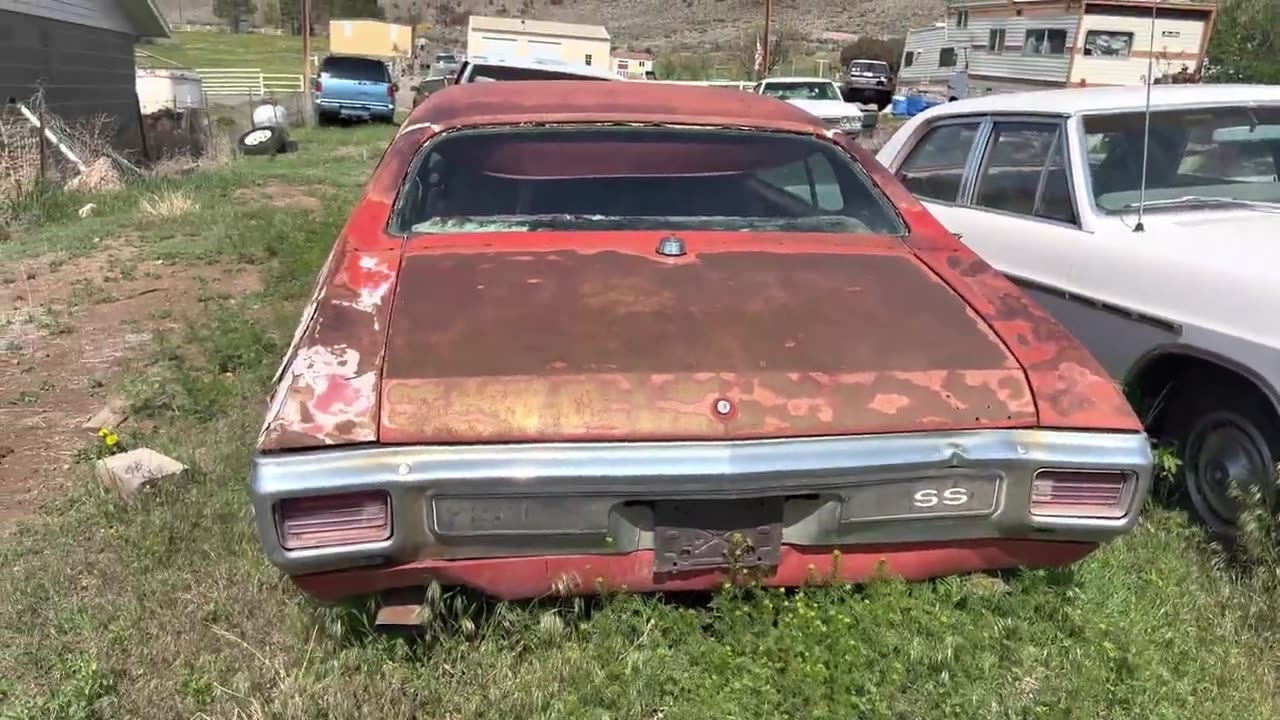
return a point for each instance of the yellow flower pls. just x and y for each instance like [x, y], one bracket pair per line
[109, 437]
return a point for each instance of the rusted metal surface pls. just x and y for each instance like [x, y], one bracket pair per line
[531, 577]
[327, 387]
[621, 343]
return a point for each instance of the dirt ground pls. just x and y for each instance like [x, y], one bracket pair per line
[68, 331]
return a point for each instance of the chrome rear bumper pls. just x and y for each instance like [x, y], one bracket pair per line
[479, 501]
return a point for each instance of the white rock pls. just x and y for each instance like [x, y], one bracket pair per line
[129, 472]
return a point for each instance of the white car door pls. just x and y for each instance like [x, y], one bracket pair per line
[1004, 184]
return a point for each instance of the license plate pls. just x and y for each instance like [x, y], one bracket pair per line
[920, 499]
[716, 534]
[354, 113]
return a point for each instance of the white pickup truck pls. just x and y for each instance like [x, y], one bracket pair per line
[817, 96]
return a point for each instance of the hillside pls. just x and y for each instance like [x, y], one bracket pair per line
[685, 25]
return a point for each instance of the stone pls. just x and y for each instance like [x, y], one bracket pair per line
[110, 416]
[133, 471]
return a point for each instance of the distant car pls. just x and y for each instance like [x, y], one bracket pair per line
[354, 88]
[1046, 186]
[818, 97]
[582, 336]
[480, 68]
[444, 64]
[869, 81]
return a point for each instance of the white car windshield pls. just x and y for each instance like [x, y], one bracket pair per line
[812, 90]
[1199, 157]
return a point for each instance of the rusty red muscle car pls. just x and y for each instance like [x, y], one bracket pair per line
[581, 336]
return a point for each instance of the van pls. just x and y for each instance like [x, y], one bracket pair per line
[354, 88]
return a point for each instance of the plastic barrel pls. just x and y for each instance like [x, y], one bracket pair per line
[899, 105]
[915, 104]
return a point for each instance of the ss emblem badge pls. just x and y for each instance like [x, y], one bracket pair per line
[930, 497]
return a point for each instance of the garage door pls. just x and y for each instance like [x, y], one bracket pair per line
[545, 50]
[498, 47]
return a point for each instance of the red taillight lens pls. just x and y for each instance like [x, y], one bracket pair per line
[1082, 493]
[391, 92]
[317, 86]
[329, 520]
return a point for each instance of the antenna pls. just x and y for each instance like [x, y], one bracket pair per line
[1146, 120]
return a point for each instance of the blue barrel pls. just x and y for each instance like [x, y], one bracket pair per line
[915, 103]
[931, 102]
[899, 105]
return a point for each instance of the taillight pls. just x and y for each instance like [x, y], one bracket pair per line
[391, 92]
[317, 86]
[1082, 493]
[328, 520]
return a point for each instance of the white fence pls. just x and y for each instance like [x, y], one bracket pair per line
[736, 84]
[248, 81]
[190, 27]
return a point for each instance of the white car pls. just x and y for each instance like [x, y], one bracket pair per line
[816, 96]
[1184, 308]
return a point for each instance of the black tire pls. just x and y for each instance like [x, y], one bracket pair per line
[261, 141]
[1226, 433]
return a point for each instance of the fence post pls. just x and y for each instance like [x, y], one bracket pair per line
[40, 133]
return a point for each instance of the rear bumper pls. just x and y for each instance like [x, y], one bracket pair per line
[459, 513]
[521, 578]
[335, 108]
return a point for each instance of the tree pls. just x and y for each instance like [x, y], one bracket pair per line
[237, 13]
[1245, 46]
[784, 41]
[871, 48]
[355, 9]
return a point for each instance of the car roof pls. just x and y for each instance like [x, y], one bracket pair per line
[798, 78]
[562, 101]
[538, 63]
[1075, 101]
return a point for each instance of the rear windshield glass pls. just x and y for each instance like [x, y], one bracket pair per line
[510, 72]
[353, 68]
[868, 67]
[446, 59]
[638, 178]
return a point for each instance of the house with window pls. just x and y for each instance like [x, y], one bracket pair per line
[632, 64]
[1008, 45]
[511, 37]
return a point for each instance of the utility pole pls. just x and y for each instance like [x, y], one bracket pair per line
[768, 19]
[306, 61]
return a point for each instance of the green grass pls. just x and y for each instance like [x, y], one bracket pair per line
[271, 53]
[167, 609]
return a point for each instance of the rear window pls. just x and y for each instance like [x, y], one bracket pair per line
[625, 178]
[869, 67]
[352, 68]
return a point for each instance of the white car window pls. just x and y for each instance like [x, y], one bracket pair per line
[1195, 157]
[935, 166]
[1024, 173]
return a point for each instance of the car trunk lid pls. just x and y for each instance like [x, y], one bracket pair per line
[619, 343]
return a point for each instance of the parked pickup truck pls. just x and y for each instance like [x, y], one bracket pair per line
[869, 81]
[355, 88]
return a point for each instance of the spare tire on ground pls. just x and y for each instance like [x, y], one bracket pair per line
[261, 141]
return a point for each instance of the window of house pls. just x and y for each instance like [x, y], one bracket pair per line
[947, 57]
[1024, 172]
[1045, 42]
[995, 40]
[587, 59]
[935, 166]
[1105, 43]
[909, 59]
[962, 19]
[623, 64]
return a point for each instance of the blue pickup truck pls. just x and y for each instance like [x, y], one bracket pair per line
[354, 88]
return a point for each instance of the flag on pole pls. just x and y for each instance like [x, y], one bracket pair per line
[759, 65]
